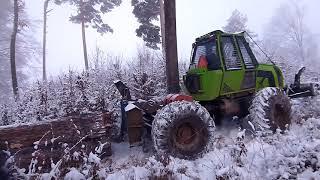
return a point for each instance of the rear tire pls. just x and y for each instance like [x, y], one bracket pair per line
[183, 129]
[270, 110]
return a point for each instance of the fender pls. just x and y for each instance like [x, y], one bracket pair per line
[177, 97]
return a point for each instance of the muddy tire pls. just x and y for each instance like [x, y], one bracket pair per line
[270, 110]
[183, 129]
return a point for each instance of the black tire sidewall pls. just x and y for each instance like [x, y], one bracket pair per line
[172, 116]
[263, 108]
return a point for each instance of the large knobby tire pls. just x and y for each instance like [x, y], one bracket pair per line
[270, 110]
[183, 129]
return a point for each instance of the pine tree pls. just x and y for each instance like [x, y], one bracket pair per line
[146, 12]
[13, 49]
[236, 23]
[44, 41]
[90, 13]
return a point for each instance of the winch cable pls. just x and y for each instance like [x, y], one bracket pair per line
[260, 48]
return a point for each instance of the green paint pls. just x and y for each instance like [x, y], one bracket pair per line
[222, 82]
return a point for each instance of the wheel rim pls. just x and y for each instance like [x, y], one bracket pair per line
[189, 136]
[185, 134]
[281, 116]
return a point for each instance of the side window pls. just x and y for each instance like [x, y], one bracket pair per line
[248, 62]
[208, 50]
[200, 51]
[232, 60]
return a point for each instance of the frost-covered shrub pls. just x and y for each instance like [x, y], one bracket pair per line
[70, 94]
[147, 79]
[305, 108]
[82, 93]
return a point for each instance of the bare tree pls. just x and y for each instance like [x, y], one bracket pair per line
[289, 40]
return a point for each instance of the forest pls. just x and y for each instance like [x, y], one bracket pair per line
[31, 95]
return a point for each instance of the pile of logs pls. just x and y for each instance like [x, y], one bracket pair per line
[37, 146]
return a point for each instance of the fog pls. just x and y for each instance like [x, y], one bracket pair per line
[194, 18]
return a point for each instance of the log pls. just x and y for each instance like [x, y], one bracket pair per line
[46, 142]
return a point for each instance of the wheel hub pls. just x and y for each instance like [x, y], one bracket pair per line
[185, 134]
[279, 116]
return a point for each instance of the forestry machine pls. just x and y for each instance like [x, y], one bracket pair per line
[224, 81]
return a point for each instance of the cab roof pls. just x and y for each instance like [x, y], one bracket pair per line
[217, 33]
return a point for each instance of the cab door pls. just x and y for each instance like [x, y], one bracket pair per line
[234, 71]
[249, 62]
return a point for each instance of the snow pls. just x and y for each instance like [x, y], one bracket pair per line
[295, 154]
[74, 174]
[99, 148]
[309, 174]
[94, 158]
[76, 155]
[124, 156]
[129, 107]
[235, 154]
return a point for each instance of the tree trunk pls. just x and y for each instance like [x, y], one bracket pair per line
[84, 45]
[45, 8]
[162, 27]
[170, 40]
[13, 50]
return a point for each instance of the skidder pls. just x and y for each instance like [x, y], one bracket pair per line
[224, 80]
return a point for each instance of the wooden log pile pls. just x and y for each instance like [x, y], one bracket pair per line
[36, 147]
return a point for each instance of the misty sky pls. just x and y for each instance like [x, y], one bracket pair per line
[194, 18]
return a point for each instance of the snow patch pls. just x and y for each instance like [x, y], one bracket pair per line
[74, 174]
[93, 158]
[129, 107]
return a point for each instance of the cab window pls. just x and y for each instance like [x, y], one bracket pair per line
[208, 50]
[231, 58]
[246, 53]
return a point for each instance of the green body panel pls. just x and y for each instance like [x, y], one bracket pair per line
[214, 84]
[267, 82]
[232, 81]
[210, 81]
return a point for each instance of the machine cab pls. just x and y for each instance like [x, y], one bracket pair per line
[221, 64]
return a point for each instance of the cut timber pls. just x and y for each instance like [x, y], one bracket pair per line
[48, 140]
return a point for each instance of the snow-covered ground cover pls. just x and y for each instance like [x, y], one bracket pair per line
[290, 156]
[234, 155]
[293, 155]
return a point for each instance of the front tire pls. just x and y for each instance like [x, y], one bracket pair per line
[183, 129]
[270, 110]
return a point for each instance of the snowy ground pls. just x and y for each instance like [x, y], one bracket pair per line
[294, 155]
[234, 155]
